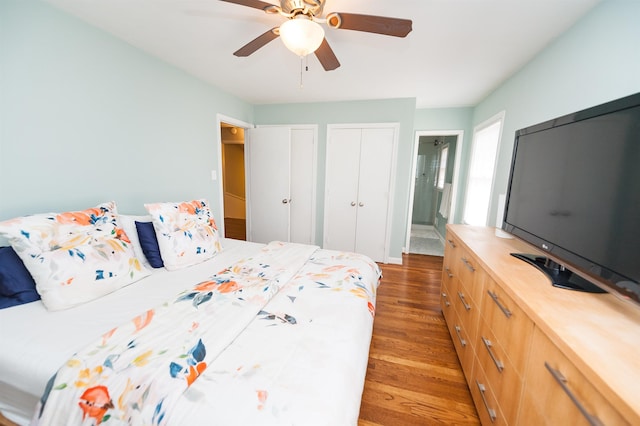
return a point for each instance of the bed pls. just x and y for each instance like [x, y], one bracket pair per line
[254, 334]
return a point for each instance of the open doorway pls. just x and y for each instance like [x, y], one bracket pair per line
[433, 192]
[234, 205]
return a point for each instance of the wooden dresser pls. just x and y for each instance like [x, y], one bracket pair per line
[534, 354]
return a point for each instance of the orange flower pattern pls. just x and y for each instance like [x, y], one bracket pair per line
[187, 233]
[145, 366]
[75, 256]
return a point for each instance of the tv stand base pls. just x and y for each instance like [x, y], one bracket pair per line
[560, 277]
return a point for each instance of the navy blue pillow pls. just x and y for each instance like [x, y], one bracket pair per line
[149, 243]
[16, 284]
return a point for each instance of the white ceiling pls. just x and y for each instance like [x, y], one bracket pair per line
[457, 53]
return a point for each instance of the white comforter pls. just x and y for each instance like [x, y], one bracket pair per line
[301, 360]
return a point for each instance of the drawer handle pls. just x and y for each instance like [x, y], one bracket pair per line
[448, 271]
[496, 361]
[451, 243]
[505, 311]
[562, 381]
[462, 341]
[468, 265]
[490, 411]
[446, 301]
[464, 302]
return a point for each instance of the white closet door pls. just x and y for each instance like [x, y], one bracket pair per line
[269, 176]
[302, 186]
[341, 189]
[376, 153]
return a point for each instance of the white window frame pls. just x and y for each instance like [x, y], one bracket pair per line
[498, 118]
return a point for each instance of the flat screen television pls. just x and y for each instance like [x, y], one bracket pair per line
[574, 193]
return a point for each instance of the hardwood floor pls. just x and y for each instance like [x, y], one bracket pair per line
[413, 377]
[235, 228]
[5, 422]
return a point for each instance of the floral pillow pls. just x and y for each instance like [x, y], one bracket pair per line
[74, 257]
[187, 233]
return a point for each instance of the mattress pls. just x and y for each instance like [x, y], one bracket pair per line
[311, 373]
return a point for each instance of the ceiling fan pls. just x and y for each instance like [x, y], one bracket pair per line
[302, 34]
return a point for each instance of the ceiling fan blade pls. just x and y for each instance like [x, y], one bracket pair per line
[327, 58]
[369, 23]
[257, 43]
[256, 4]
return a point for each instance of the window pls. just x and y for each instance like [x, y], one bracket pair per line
[442, 166]
[486, 138]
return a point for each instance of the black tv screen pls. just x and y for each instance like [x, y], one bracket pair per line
[574, 192]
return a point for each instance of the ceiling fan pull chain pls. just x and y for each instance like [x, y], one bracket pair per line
[303, 68]
[301, 85]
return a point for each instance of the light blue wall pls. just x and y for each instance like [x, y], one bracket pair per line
[86, 118]
[596, 61]
[373, 111]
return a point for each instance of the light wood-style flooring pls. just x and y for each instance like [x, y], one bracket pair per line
[413, 377]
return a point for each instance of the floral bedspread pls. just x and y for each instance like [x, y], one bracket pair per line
[272, 339]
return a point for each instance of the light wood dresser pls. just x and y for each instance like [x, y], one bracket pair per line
[534, 354]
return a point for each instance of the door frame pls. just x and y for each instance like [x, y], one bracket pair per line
[455, 178]
[221, 118]
[392, 181]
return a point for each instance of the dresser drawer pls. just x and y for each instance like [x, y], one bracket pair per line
[446, 300]
[468, 269]
[557, 393]
[451, 248]
[510, 325]
[505, 382]
[485, 400]
[447, 272]
[461, 342]
[467, 309]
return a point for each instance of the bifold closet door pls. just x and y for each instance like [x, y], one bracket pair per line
[302, 184]
[269, 177]
[376, 152]
[357, 190]
[341, 189]
[281, 182]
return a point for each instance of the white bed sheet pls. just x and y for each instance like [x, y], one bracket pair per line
[32, 351]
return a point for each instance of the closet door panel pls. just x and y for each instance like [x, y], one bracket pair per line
[269, 159]
[341, 189]
[376, 152]
[302, 186]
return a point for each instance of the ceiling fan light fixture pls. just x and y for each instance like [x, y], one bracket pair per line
[301, 35]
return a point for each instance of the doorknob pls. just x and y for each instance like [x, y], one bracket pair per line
[353, 204]
[361, 204]
[285, 201]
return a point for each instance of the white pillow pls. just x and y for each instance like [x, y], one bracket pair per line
[187, 233]
[129, 225]
[74, 257]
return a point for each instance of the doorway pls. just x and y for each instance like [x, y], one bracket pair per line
[232, 166]
[434, 185]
